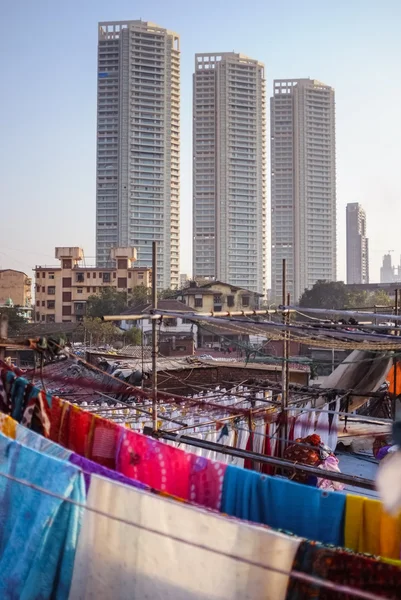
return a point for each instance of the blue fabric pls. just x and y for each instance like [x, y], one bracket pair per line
[33, 440]
[38, 532]
[282, 504]
[17, 395]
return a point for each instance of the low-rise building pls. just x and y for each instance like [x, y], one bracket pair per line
[17, 286]
[170, 329]
[61, 292]
[217, 296]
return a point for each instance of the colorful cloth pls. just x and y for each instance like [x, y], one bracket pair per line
[37, 413]
[90, 468]
[283, 504]
[80, 430]
[211, 559]
[369, 529]
[8, 426]
[206, 479]
[154, 463]
[38, 532]
[33, 440]
[104, 441]
[338, 566]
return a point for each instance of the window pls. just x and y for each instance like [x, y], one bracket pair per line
[245, 300]
[80, 290]
[51, 275]
[37, 302]
[43, 303]
[170, 322]
[51, 290]
[114, 275]
[88, 275]
[94, 290]
[94, 275]
[198, 302]
[106, 278]
[66, 311]
[217, 298]
[88, 290]
[67, 296]
[122, 282]
[43, 317]
[67, 264]
[230, 301]
[67, 282]
[79, 277]
[37, 316]
[43, 275]
[122, 263]
[51, 304]
[50, 318]
[130, 275]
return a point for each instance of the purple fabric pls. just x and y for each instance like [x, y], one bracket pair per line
[382, 452]
[91, 468]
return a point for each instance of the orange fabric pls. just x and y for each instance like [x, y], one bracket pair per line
[390, 379]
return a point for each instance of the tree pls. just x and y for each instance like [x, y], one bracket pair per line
[109, 301]
[325, 294]
[100, 332]
[133, 336]
[15, 320]
[140, 295]
[167, 293]
[380, 298]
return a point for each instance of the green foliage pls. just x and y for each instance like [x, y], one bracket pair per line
[15, 320]
[133, 337]
[167, 293]
[325, 294]
[140, 295]
[109, 301]
[100, 332]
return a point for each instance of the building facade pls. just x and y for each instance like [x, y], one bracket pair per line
[357, 244]
[138, 145]
[229, 170]
[61, 292]
[217, 296]
[303, 185]
[17, 286]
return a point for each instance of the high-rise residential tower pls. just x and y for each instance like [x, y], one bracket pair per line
[303, 185]
[138, 145]
[229, 170]
[357, 245]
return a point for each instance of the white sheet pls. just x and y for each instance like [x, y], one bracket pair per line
[116, 560]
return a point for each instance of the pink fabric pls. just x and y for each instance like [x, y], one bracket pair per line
[206, 479]
[104, 442]
[330, 464]
[154, 463]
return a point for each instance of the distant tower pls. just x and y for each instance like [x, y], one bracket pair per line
[357, 245]
[387, 270]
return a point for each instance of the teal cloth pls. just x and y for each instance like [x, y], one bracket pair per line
[38, 532]
[37, 442]
[282, 504]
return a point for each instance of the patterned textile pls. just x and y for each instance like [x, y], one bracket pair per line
[37, 414]
[38, 532]
[154, 463]
[90, 468]
[8, 426]
[206, 479]
[338, 566]
[103, 448]
[80, 427]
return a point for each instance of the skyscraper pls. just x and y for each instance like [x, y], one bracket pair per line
[138, 144]
[303, 185]
[357, 245]
[229, 170]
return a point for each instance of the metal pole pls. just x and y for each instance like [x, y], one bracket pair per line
[154, 336]
[284, 395]
[393, 403]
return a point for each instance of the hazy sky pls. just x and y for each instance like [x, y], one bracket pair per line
[48, 106]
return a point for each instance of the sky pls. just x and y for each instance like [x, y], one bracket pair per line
[48, 107]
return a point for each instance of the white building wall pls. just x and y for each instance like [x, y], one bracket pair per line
[138, 171]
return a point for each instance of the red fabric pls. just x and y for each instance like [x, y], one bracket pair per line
[267, 469]
[79, 430]
[103, 445]
[206, 479]
[248, 462]
[56, 416]
[154, 463]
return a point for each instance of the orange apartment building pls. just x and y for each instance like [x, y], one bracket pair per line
[61, 292]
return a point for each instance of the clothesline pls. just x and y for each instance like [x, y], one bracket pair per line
[344, 589]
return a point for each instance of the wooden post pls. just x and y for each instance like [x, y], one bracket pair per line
[154, 336]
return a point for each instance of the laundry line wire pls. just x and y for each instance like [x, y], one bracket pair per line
[344, 589]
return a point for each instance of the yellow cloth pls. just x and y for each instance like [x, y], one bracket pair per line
[8, 426]
[369, 529]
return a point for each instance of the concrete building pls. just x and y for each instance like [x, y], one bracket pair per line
[138, 145]
[229, 170]
[303, 185]
[217, 296]
[357, 245]
[17, 286]
[61, 292]
[387, 271]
